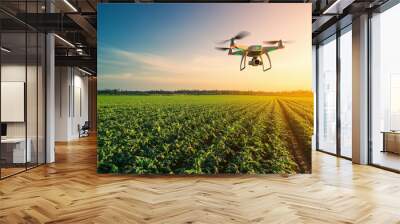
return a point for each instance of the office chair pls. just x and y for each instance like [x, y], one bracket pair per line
[84, 130]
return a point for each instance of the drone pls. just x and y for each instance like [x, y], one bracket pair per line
[255, 52]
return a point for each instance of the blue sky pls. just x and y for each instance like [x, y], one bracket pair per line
[171, 46]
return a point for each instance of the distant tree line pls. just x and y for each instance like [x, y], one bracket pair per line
[204, 92]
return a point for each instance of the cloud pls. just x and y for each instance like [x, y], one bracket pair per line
[171, 65]
[112, 62]
[149, 78]
[143, 71]
[145, 81]
[149, 61]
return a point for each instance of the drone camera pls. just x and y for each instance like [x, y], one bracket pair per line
[255, 62]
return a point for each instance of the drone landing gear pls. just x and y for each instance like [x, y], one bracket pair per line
[262, 62]
[243, 65]
[255, 62]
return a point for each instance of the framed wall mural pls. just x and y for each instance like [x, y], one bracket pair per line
[204, 88]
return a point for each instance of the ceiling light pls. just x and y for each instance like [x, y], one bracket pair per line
[70, 5]
[79, 51]
[84, 71]
[5, 50]
[64, 40]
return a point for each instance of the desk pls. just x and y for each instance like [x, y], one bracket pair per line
[14, 150]
[391, 141]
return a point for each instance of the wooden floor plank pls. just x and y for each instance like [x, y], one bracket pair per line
[70, 191]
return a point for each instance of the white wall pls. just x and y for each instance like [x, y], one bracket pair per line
[33, 127]
[62, 82]
[14, 73]
[80, 104]
[71, 94]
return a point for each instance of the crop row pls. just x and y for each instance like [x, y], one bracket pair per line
[196, 138]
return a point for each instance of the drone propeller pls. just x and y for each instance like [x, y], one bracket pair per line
[222, 48]
[277, 41]
[241, 35]
[238, 36]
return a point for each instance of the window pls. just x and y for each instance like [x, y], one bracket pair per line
[346, 93]
[394, 102]
[327, 96]
[385, 89]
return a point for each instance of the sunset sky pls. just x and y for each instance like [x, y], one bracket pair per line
[171, 46]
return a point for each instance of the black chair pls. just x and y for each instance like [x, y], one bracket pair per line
[84, 130]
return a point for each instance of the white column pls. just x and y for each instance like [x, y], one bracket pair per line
[50, 99]
[360, 90]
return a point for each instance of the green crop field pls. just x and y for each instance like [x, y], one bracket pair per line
[204, 134]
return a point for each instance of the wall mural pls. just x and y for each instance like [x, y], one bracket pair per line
[204, 88]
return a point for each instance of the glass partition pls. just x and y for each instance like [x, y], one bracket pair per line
[22, 88]
[14, 153]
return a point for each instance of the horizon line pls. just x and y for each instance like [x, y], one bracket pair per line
[204, 90]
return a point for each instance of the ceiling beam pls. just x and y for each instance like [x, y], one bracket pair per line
[337, 7]
[86, 27]
[78, 61]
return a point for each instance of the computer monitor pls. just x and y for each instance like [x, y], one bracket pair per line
[3, 129]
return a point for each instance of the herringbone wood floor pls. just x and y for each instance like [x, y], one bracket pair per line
[70, 191]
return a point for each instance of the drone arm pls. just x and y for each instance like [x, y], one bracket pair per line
[269, 49]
